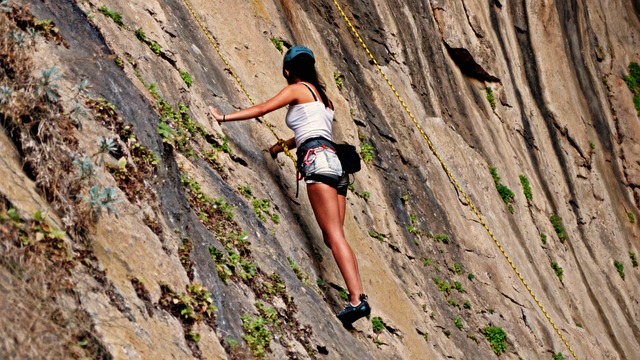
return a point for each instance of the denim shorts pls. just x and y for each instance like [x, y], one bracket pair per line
[320, 164]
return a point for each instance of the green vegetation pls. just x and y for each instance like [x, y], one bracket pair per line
[405, 199]
[299, 273]
[505, 193]
[412, 227]
[579, 325]
[497, 338]
[196, 304]
[366, 152]
[458, 321]
[154, 46]
[631, 217]
[556, 221]
[257, 336]
[112, 14]
[261, 208]
[558, 356]
[592, 145]
[471, 276]
[452, 302]
[446, 333]
[467, 304]
[245, 190]
[443, 238]
[526, 188]
[427, 261]
[633, 82]
[344, 295]
[277, 43]
[443, 285]
[490, 98]
[543, 238]
[339, 79]
[620, 267]
[634, 259]
[186, 77]
[557, 269]
[376, 235]
[457, 268]
[377, 324]
[458, 286]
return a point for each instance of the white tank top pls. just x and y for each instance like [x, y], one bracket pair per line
[309, 120]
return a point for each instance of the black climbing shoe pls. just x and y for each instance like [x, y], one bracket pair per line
[352, 313]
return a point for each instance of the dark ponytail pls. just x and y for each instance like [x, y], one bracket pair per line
[303, 68]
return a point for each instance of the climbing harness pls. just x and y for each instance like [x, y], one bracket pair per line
[450, 175]
[233, 74]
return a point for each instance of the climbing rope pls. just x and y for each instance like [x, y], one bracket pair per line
[233, 74]
[451, 177]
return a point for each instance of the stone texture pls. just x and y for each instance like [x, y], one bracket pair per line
[554, 97]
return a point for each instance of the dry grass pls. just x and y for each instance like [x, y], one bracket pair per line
[41, 316]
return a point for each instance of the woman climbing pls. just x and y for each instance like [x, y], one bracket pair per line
[310, 116]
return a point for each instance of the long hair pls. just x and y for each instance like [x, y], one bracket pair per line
[303, 67]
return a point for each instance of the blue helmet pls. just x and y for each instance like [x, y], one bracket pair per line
[295, 51]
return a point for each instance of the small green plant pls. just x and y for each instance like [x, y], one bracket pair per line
[443, 285]
[490, 97]
[543, 238]
[427, 261]
[579, 325]
[557, 269]
[376, 235]
[412, 227]
[592, 145]
[458, 286]
[112, 14]
[48, 87]
[344, 295]
[620, 267]
[378, 342]
[257, 336]
[377, 324]
[186, 77]
[405, 199]
[457, 268]
[277, 43]
[452, 302]
[633, 82]
[526, 188]
[505, 193]
[458, 321]
[194, 336]
[154, 46]
[471, 276]
[634, 259]
[556, 221]
[100, 199]
[467, 305]
[631, 217]
[446, 333]
[558, 356]
[339, 79]
[443, 238]
[366, 152]
[245, 190]
[299, 273]
[497, 338]
[196, 304]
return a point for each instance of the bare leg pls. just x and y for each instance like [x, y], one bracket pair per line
[329, 212]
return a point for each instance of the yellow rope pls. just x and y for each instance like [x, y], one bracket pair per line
[228, 68]
[452, 178]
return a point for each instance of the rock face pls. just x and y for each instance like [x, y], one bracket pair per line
[535, 90]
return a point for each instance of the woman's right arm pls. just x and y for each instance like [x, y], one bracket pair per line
[277, 147]
[285, 97]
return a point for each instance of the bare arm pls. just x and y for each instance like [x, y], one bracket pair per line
[277, 147]
[285, 97]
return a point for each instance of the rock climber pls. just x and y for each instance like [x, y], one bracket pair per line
[310, 116]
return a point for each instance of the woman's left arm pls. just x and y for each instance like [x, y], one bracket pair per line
[285, 97]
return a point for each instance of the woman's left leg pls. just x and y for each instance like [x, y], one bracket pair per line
[329, 211]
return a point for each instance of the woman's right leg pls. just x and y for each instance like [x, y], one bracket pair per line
[327, 209]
